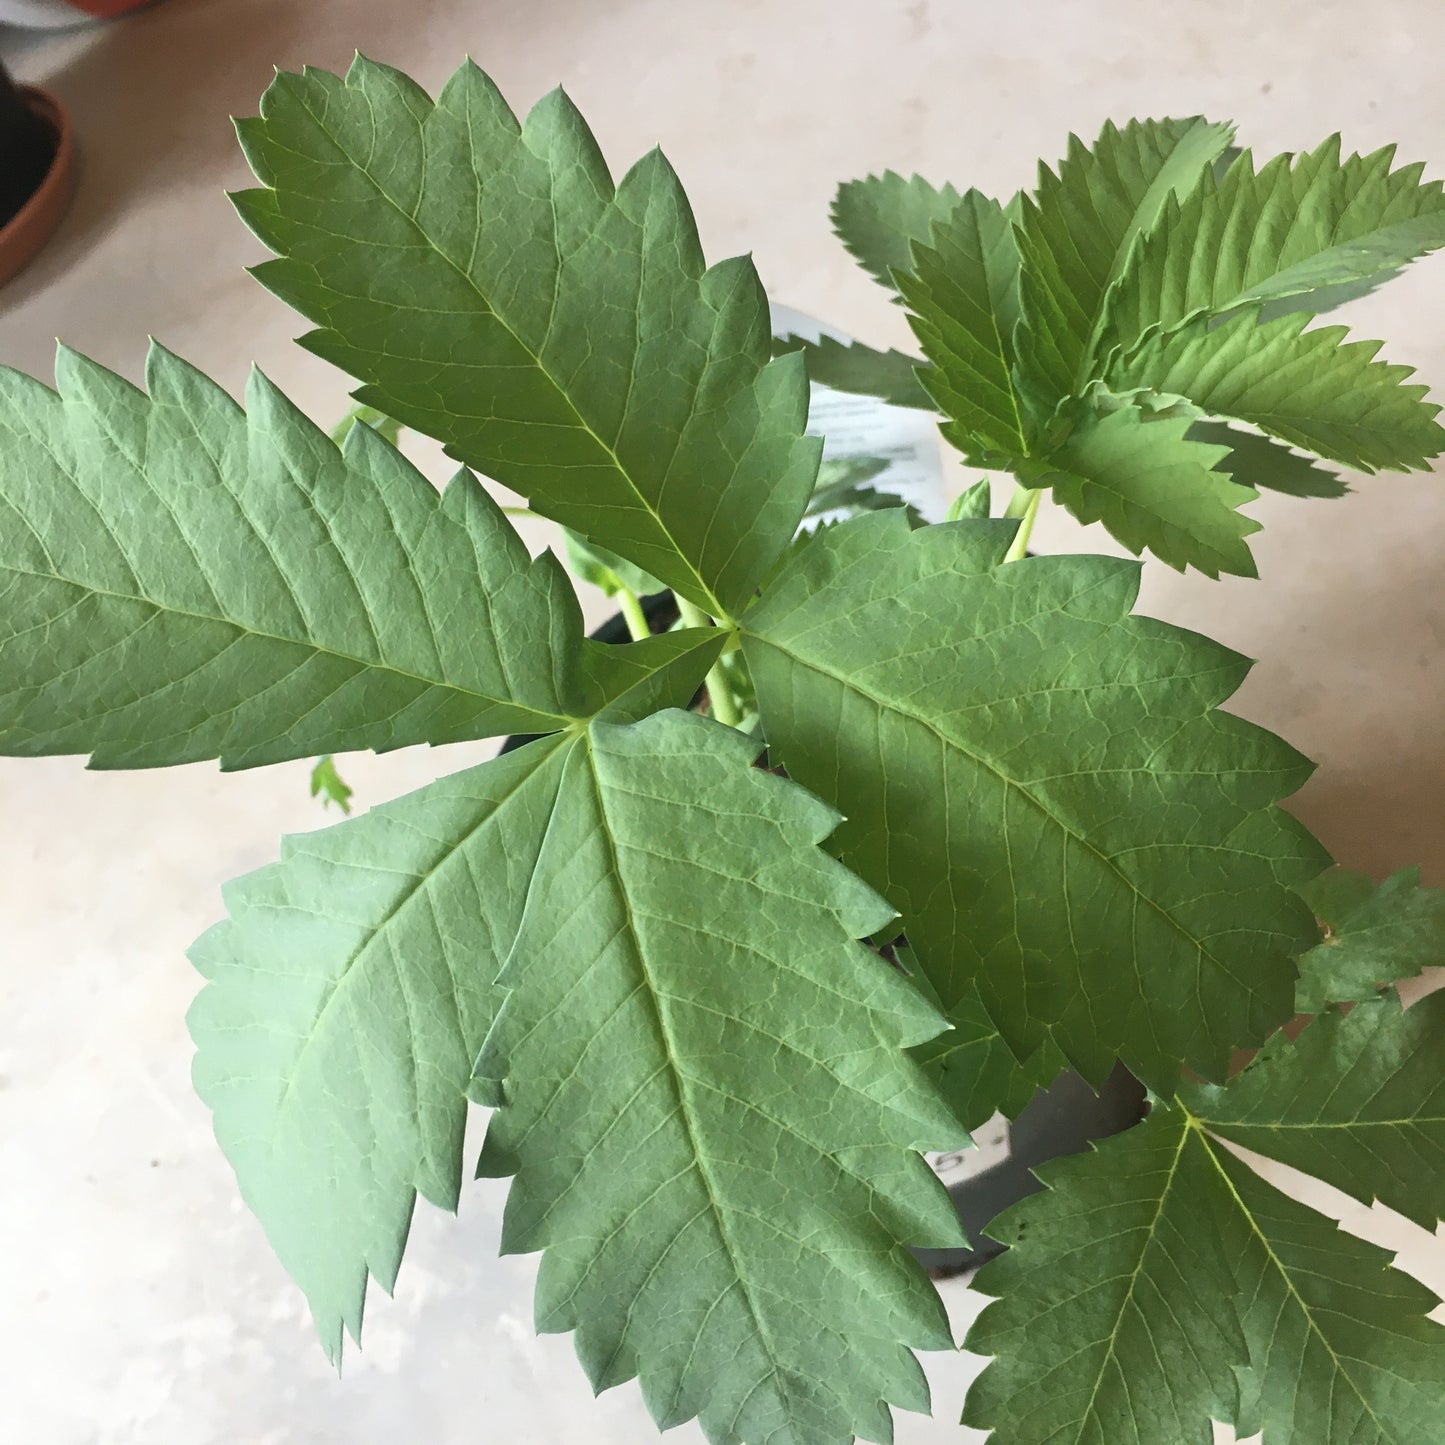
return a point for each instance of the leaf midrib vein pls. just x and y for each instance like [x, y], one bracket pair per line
[1022, 789]
[371, 664]
[710, 599]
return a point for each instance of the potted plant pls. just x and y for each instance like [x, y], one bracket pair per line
[35, 171]
[719, 1010]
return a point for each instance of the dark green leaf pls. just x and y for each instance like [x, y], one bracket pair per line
[493, 289]
[891, 376]
[877, 218]
[1113, 1321]
[1160, 1274]
[964, 296]
[1357, 1100]
[706, 1101]
[1309, 388]
[1293, 234]
[1042, 786]
[1374, 936]
[186, 580]
[347, 996]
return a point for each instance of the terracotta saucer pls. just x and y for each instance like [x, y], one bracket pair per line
[31, 227]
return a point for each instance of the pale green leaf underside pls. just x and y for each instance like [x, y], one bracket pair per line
[1154, 484]
[184, 580]
[1375, 936]
[706, 1100]
[1309, 388]
[891, 376]
[1159, 1283]
[878, 217]
[493, 289]
[1040, 783]
[1301, 225]
[963, 292]
[348, 993]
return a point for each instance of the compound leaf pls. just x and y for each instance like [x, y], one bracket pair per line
[1309, 388]
[706, 1101]
[1373, 936]
[850, 366]
[1303, 231]
[879, 217]
[492, 288]
[963, 292]
[1042, 786]
[347, 996]
[186, 580]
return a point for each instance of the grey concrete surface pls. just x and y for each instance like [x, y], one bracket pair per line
[138, 1302]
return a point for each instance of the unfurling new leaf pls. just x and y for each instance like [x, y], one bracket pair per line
[1116, 273]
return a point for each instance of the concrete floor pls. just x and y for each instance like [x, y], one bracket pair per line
[138, 1302]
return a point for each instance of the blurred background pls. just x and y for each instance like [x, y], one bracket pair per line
[140, 1304]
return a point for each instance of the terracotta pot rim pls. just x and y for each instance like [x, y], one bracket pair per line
[24, 235]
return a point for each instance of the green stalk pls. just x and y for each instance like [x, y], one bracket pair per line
[1024, 508]
[719, 693]
[633, 614]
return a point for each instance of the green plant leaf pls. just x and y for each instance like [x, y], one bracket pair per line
[606, 570]
[843, 486]
[706, 1102]
[972, 504]
[1080, 228]
[1042, 786]
[1357, 1100]
[347, 996]
[1304, 231]
[964, 296]
[328, 785]
[1309, 388]
[1154, 484]
[1159, 1282]
[186, 580]
[878, 218]
[492, 288]
[974, 1067]
[1373, 936]
[1112, 1318]
[891, 376]
[1261, 462]
[378, 421]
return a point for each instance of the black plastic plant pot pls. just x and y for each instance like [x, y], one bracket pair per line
[27, 147]
[1062, 1119]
